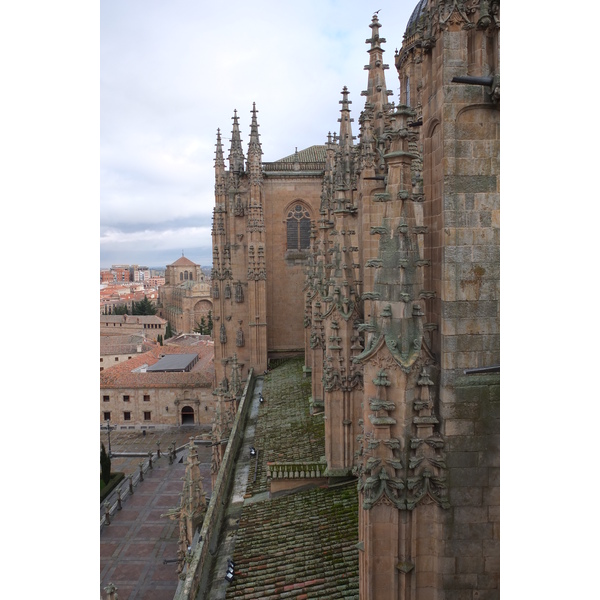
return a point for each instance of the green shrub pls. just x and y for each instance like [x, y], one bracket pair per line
[106, 489]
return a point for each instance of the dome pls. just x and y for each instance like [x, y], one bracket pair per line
[413, 22]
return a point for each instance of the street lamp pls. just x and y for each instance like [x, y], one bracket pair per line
[108, 429]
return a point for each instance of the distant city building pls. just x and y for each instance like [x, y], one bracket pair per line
[155, 281]
[140, 274]
[121, 273]
[106, 276]
[124, 295]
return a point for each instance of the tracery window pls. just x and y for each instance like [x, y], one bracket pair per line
[407, 91]
[298, 228]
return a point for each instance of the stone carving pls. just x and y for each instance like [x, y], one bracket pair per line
[380, 486]
[427, 489]
[239, 292]
[239, 338]
[238, 207]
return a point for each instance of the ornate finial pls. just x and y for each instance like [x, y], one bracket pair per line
[254, 147]
[219, 161]
[236, 154]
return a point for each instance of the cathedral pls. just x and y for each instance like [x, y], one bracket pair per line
[375, 256]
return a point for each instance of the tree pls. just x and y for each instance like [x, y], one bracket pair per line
[120, 309]
[168, 331]
[159, 339]
[104, 464]
[143, 307]
[201, 327]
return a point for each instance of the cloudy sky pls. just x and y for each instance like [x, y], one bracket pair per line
[171, 73]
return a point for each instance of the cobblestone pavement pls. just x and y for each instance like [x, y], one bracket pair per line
[138, 539]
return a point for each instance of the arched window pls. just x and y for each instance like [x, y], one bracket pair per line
[180, 276]
[298, 228]
[407, 91]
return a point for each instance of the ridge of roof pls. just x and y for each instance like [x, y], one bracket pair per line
[182, 261]
[131, 319]
[314, 153]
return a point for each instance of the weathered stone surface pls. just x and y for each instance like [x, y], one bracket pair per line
[472, 184]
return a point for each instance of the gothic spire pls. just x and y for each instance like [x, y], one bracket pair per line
[236, 154]
[254, 146]
[344, 157]
[219, 167]
[219, 161]
[376, 91]
[345, 120]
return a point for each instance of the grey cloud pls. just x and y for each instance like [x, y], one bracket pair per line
[171, 74]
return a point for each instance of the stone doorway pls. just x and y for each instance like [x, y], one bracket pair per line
[187, 415]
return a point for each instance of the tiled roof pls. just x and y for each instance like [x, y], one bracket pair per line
[301, 545]
[413, 21]
[121, 376]
[124, 344]
[298, 546]
[183, 262]
[132, 319]
[311, 154]
[285, 430]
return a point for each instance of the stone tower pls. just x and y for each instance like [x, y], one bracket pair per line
[261, 248]
[428, 457]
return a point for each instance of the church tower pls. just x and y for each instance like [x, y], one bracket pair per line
[238, 275]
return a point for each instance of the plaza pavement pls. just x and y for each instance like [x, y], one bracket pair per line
[138, 539]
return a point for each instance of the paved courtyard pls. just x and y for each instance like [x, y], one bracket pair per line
[138, 539]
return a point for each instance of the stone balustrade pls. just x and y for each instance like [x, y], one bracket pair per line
[295, 470]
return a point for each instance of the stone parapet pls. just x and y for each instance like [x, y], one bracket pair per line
[200, 564]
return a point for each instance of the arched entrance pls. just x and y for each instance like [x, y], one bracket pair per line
[187, 415]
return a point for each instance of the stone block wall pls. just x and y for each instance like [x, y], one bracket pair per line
[286, 270]
[163, 404]
[470, 554]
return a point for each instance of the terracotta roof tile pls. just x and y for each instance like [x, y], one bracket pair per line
[132, 319]
[183, 262]
[311, 154]
[301, 545]
[121, 376]
[304, 543]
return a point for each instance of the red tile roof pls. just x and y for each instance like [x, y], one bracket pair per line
[183, 262]
[121, 376]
